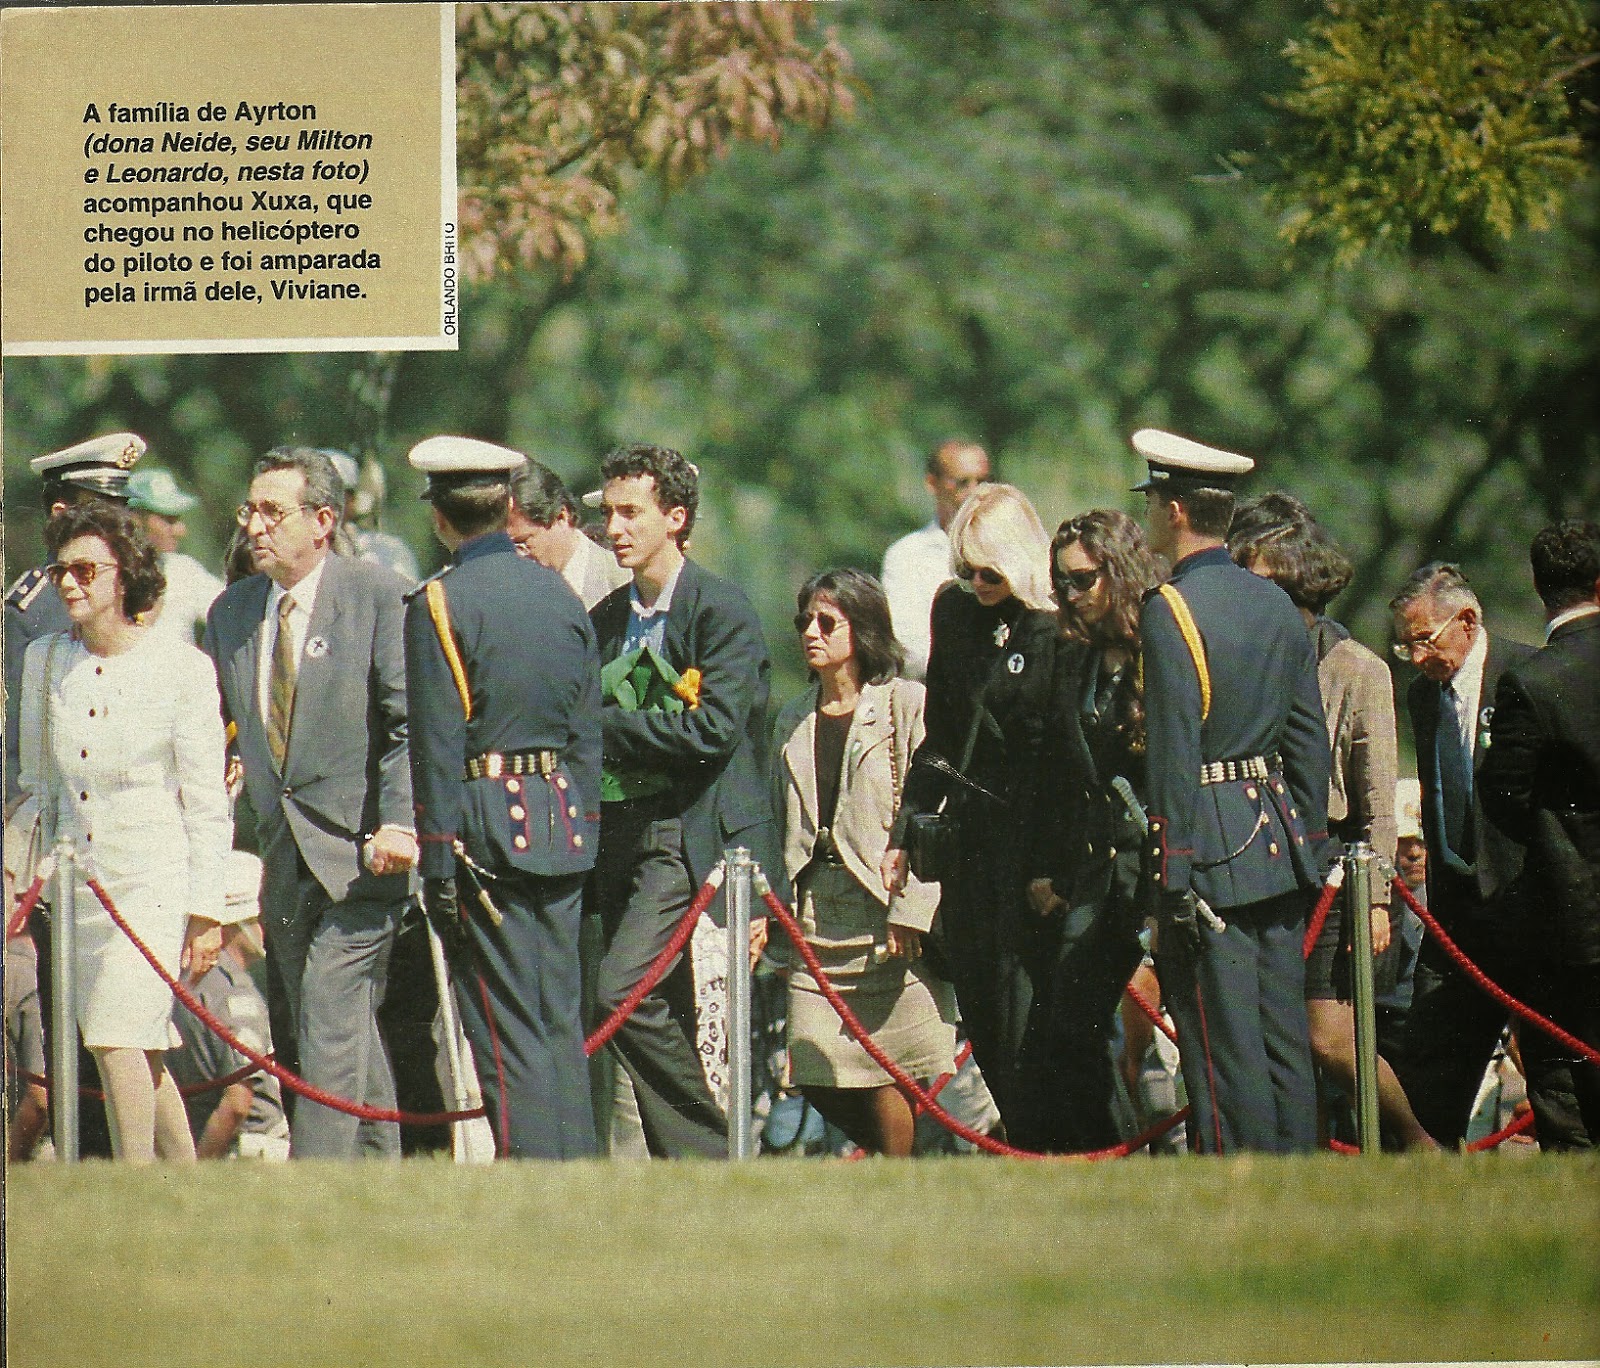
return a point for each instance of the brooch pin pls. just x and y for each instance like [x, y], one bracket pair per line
[1485, 721]
[1015, 663]
[316, 648]
[1002, 634]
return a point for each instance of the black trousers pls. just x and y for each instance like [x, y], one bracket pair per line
[1239, 1003]
[520, 1005]
[643, 887]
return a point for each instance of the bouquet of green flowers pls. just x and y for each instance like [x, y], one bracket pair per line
[639, 681]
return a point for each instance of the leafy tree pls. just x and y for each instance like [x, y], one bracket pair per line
[1419, 119]
[559, 104]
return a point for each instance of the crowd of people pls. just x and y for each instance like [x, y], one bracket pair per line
[1029, 774]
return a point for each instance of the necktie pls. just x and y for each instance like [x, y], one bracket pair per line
[1455, 776]
[280, 686]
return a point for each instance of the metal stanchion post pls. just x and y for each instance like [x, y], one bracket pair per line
[64, 1016]
[1358, 891]
[741, 879]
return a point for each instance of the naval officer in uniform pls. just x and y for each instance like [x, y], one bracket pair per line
[504, 680]
[1238, 775]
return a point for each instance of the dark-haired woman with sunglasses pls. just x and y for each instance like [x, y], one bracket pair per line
[1086, 829]
[122, 745]
[841, 752]
[993, 638]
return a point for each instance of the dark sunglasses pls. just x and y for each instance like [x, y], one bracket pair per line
[982, 574]
[826, 621]
[83, 571]
[1076, 581]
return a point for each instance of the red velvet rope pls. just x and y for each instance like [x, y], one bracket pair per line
[1515, 1126]
[1489, 986]
[919, 1095]
[658, 968]
[267, 1062]
[29, 900]
[187, 1090]
[940, 1083]
[1144, 1005]
[1319, 913]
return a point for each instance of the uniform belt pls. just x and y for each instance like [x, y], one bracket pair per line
[1232, 771]
[494, 764]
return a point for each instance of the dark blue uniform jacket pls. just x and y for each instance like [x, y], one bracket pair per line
[534, 678]
[1238, 842]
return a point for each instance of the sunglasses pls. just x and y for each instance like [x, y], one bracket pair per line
[83, 571]
[1076, 581]
[982, 574]
[826, 622]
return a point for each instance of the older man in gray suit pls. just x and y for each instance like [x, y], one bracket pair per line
[311, 664]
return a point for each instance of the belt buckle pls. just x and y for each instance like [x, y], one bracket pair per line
[493, 765]
[548, 763]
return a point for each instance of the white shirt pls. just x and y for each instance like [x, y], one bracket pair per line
[1561, 619]
[191, 590]
[913, 569]
[304, 595]
[1468, 687]
[648, 626]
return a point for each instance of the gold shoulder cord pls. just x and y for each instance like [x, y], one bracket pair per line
[439, 611]
[1191, 638]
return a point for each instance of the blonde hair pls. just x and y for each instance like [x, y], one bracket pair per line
[997, 527]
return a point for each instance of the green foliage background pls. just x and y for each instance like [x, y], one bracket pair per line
[1035, 230]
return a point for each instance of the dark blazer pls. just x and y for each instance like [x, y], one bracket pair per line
[533, 674]
[1499, 858]
[715, 754]
[1238, 842]
[1540, 785]
[346, 772]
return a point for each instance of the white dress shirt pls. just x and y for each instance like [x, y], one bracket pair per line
[913, 569]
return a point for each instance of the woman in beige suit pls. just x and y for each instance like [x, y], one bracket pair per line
[841, 752]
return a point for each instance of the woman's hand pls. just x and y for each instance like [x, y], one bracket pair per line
[758, 940]
[893, 870]
[1380, 928]
[1044, 898]
[202, 943]
[903, 942]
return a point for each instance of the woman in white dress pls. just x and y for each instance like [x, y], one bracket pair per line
[122, 741]
[842, 751]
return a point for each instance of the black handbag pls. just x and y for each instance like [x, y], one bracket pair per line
[934, 840]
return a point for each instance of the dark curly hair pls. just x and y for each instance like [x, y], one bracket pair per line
[1118, 544]
[677, 481]
[138, 566]
[1278, 533]
[1566, 564]
[861, 599]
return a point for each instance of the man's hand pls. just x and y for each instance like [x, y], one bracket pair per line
[202, 943]
[390, 850]
[1380, 928]
[233, 776]
[758, 939]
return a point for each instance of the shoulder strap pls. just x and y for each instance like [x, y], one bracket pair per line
[1191, 639]
[439, 611]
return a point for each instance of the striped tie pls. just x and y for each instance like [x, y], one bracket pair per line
[280, 686]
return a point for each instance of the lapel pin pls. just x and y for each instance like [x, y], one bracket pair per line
[316, 648]
[1015, 663]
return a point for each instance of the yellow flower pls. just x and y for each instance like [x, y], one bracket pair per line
[688, 687]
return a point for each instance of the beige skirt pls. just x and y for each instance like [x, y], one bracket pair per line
[907, 1011]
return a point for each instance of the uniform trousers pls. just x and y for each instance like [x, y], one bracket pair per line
[1243, 1039]
[643, 887]
[330, 961]
[520, 1007]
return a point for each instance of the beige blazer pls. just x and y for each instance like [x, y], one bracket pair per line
[886, 713]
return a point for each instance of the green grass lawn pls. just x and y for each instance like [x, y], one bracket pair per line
[954, 1261]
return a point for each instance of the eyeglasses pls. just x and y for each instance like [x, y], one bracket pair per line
[1428, 645]
[83, 571]
[827, 623]
[982, 574]
[270, 514]
[1075, 582]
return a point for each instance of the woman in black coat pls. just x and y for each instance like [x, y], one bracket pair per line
[1086, 824]
[993, 639]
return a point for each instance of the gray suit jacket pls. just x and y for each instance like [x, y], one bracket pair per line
[346, 772]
